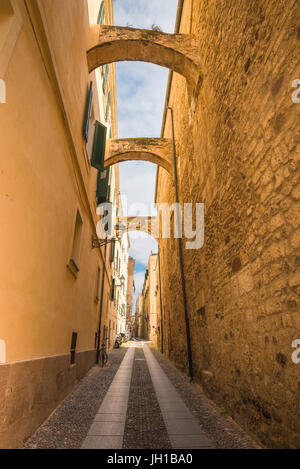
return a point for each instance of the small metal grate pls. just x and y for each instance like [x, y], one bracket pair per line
[73, 347]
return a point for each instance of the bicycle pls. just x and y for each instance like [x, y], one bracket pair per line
[103, 354]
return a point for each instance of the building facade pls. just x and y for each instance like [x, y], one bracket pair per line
[129, 298]
[138, 316]
[120, 281]
[236, 152]
[55, 284]
[150, 328]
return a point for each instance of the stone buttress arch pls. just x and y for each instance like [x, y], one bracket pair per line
[178, 52]
[148, 225]
[154, 150]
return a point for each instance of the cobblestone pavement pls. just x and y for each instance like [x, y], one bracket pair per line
[144, 426]
[69, 424]
[220, 429]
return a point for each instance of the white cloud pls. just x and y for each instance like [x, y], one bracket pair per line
[144, 13]
[141, 247]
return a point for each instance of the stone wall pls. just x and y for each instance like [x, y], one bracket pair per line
[237, 154]
[31, 390]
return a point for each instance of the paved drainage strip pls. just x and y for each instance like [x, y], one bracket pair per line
[107, 430]
[183, 429]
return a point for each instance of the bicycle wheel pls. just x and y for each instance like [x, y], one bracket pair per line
[103, 357]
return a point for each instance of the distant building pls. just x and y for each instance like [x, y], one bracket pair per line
[138, 315]
[150, 328]
[130, 288]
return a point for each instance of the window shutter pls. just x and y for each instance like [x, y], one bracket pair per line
[105, 70]
[112, 290]
[107, 106]
[112, 250]
[87, 114]
[99, 145]
[101, 16]
[102, 192]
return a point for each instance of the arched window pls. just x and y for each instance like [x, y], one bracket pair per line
[101, 16]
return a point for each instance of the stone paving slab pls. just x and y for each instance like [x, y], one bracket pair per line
[107, 428]
[103, 442]
[110, 418]
[106, 431]
[68, 425]
[183, 433]
[220, 428]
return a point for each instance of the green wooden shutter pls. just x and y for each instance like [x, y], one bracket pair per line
[99, 144]
[101, 16]
[87, 114]
[107, 106]
[105, 70]
[112, 250]
[102, 192]
[112, 289]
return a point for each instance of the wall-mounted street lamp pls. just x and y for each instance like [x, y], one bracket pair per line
[98, 242]
[122, 281]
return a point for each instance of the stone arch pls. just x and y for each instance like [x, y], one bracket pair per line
[178, 52]
[154, 150]
[148, 225]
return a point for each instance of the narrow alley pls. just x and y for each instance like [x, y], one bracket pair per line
[150, 225]
[138, 401]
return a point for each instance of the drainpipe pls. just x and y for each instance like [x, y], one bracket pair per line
[161, 310]
[180, 250]
[101, 305]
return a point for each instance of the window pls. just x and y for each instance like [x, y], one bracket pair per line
[107, 112]
[103, 186]
[99, 144]
[109, 331]
[6, 19]
[87, 113]
[112, 250]
[91, 136]
[105, 72]
[73, 347]
[101, 15]
[74, 259]
[112, 290]
[10, 25]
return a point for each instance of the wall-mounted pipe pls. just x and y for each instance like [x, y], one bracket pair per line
[180, 251]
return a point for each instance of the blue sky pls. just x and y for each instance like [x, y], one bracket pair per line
[141, 89]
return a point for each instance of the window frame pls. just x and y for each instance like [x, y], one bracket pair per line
[7, 48]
